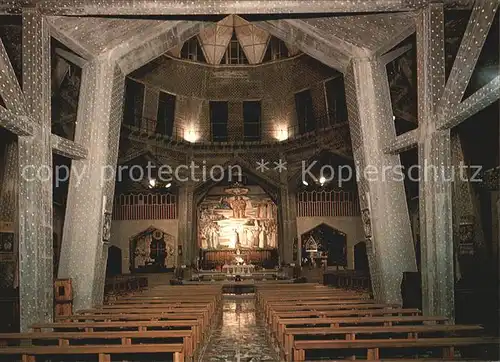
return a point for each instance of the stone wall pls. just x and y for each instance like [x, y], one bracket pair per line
[274, 84]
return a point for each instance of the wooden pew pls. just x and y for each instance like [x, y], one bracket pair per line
[276, 316]
[350, 333]
[103, 352]
[268, 306]
[373, 346]
[93, 338]
[336, 322]
[321, 307]
[194, 325]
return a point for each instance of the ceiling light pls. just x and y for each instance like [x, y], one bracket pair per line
[305, 183]
[322, 180]
[168, 185]
[152, 183]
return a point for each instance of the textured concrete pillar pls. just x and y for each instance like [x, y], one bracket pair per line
[186, 216]
[92, 181]
[435, 189]
[287, 214]
[35, 184]
[436, 225]
[382, 194]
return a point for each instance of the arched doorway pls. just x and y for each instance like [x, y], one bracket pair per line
[114, 263]
[152, 251]
[324, 245]
[361, 258]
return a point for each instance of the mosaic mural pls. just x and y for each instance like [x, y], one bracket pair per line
[237, 221]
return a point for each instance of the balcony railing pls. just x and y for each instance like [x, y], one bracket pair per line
[145, 207]
[147, 127]
[319, 123]
[327, 203]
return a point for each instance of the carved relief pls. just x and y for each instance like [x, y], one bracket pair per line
[237, 221]
[367, 225]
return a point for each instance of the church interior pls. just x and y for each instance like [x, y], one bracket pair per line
[251, 181]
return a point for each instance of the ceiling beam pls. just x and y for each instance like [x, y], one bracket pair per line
[402, 142]
[298, 34]
[476, 102]
[468, 54]
[19, 125]
[68, 148]
[143, 48]
[176, 7]
[65, 39]
[70, 57]
[393, 55]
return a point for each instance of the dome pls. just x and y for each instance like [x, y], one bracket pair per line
[233, 40]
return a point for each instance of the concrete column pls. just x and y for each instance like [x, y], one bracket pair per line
[92, 181]
[35, 185]
[186, 216]
[382, 194]
[287, 213]
[436, 225]
[435, 187]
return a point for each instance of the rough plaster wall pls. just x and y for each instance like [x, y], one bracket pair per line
[122, 231]
[275, 84]
[351, 226]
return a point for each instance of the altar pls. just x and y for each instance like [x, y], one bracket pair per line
[238, 269]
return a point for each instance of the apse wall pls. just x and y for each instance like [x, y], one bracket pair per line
[274, 84]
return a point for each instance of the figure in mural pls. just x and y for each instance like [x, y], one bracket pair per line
[237, 220]
[239, 205]
[255, 234]
[213, 235]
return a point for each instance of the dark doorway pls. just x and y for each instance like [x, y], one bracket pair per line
[159, 253]
[360, 258]
[324, 244]
[114, 263]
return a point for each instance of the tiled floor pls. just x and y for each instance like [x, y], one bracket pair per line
[240, 336]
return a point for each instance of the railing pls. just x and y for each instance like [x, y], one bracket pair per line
[146, 127]
[318, 123]
[145, 207]
[327, 203]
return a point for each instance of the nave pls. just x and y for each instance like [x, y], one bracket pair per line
[279, 322]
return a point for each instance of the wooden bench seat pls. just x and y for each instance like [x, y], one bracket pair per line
[275, 316]
[279, 329]
[350, 333]
[145, 311]
[270, 305]
[194, 325]
[325, 307]
[125, 337]
[373, 346]
[104, 352]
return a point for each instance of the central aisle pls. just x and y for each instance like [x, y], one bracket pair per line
[240, 335]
